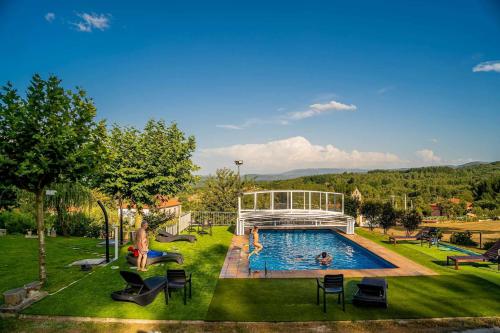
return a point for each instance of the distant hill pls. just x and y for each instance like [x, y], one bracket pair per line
[302, 173]
[297, 173]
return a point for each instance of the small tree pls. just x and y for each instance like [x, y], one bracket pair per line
[221, 191]
[351, 206]
[388, 217]
[371, 210]
[410, 221]
[46, 137]
[121, 170]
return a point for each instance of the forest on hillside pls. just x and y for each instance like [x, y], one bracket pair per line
[478, 184]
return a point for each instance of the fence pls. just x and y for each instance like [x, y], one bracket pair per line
[216, 218]
[183, 223]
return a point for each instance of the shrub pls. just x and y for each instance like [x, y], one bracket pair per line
[159, 219]
[78, 224]
[411, 220]
[488, 245]
[16, 222]
[462, 238]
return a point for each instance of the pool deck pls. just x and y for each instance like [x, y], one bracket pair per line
[236, 263]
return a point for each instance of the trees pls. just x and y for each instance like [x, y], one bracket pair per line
[351, 206]
[145, 166]
[410, 221]
[371, 210]
[388, 217]
[121, 168]
[48, 136]
[221, 191]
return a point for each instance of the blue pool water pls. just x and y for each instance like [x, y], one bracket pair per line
[297, 249]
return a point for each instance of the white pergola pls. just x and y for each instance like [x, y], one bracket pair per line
[293, 208]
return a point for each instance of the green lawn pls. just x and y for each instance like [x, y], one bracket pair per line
[471, 291]
[91, 296]
[19, 260]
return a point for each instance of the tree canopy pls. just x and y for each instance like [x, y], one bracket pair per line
[48, 136]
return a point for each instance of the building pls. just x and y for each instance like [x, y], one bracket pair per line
[356, 194]
[436, 209]
[168, 206]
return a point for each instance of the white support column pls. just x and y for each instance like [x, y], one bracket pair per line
[304, 200]
[309, 201]
[343, 205]
[240, 228]
[272, 200]
[255, 201]
[291, 201]
[320, 197]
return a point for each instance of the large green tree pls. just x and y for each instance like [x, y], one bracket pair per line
[148, 165]
[122, 168]
[48, 136]
[220, 193]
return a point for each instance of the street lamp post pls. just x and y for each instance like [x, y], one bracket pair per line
[238, 164]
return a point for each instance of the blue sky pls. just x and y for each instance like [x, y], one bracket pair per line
[281, 84]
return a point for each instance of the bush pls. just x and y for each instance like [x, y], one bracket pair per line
[17, 222]
[488, 245]
[79, 225]
[462, 238]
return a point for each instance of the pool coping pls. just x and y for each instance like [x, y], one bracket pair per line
[236, 263]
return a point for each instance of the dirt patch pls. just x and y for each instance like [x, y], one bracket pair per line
[403, 326]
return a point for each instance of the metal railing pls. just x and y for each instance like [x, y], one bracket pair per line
[215, 218]
[183, 223]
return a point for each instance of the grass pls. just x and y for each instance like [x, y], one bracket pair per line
[19, 260]
[489, 229]
[467, 292]
[91, 296]
[471, 291]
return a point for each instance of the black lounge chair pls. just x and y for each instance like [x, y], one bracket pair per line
[332, 284]
[169, 256]
[166, 237]
[139, 291]
[371, 291]
[491, 255]
[177, 279]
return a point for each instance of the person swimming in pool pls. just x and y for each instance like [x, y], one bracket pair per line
[257, 245]
[324, 258]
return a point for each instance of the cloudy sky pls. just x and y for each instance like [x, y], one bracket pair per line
[281, 85]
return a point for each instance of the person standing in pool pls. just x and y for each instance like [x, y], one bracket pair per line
[142, 245]
[257, 245]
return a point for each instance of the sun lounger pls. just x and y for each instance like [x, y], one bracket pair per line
[139, 291]
[163, 257]
[165, 237]
[371, 291]
[418, 236]
[491, 255]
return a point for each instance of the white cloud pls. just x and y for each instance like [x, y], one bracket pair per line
[427, 156]
[488, 66]
[92, 21]
[319, 108]
[49, 17]
[292, 153]
[229, 126]
[434, 140]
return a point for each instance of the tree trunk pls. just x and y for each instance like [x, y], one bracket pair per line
[41, 236]
[120, 202]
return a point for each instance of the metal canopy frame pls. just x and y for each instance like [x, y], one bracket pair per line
[292, 208]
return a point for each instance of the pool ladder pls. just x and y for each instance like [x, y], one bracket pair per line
[265, 269]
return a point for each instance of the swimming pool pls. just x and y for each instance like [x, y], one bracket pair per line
[286, 250]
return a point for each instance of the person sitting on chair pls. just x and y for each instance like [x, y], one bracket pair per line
[324, 258]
